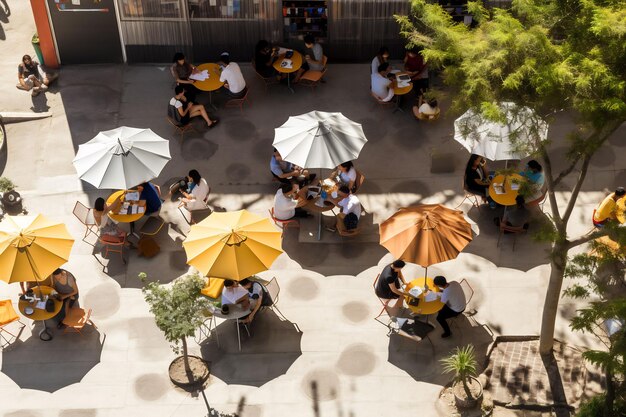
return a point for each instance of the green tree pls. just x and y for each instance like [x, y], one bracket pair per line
[549, 55]
[600, 278]
[178, 309]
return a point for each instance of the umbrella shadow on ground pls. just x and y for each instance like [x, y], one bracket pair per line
[33, 364]
[422, 361]
[273, 347]
[527, 252]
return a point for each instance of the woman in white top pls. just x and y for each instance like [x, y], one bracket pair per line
[109, 231]
[199, 192]
[345, 174]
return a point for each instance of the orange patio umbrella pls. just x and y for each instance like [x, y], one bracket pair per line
[426, 234]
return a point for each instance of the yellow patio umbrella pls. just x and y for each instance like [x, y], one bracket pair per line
[425, 234]
[32, 247]
[233, 245]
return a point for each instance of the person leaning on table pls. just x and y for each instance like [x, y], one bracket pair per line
[453, 298]
[606, 211]
[388, 287]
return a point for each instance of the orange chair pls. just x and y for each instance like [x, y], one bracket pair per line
[76, 320]
[283, 223]
[8, 316]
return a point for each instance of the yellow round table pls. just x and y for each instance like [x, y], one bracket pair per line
[39, 313]
[124, 218]
[424, 307]
[213, 82]
[508, 198]
[296, 63]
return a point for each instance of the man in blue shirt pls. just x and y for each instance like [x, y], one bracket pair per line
[152, 194]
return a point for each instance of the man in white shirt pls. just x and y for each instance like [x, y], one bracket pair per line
[381, 85]
[232, 77]
[233, 293]
[454, 301]
[349, 204]
[287, 204]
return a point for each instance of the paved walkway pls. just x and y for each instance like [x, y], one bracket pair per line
[325, 287]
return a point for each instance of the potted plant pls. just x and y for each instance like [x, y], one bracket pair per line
[467, 389]
[178, 311]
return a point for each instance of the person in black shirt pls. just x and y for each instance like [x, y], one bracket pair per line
[388, 286]
[476, 176]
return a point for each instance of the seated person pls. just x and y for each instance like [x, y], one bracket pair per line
[350, 210]
[476, 176]
[381, 85]
[152, 194]
[314, 54]
[231, 76]
[65, 285]
[345, 174]
[287, 203]
[181, 71]
[381, 57]
[607, 209]
[288, 173]
[453, 298]
[388, 287]
[181, 110]
[534, 174]
[233, 293]
[194, 200]
[32, 77]
[264, 57]
[418, 70]
[258, 297]
[426, 109]
[518, 216]
[109, 230]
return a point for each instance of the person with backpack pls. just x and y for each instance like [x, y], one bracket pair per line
[259, 297]
[181, 110]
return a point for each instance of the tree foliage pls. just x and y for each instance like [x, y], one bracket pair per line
[178, 309]
[550, 56]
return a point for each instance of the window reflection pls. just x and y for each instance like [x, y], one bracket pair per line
[150, 8]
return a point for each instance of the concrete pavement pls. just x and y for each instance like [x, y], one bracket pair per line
[325, 286]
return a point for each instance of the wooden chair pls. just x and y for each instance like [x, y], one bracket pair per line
[115, 247]
[76, 320]
[284, 224]
[510, 230]
[360, 179]
[85, 216]
[238, 102]
[312, 78]
[181, 128]
[267, 81]
[382, 104]
[8, 316]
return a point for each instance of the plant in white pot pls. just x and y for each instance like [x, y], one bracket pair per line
[467, 390]
[178, 311]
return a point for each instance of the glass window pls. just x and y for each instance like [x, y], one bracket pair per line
[132, 9]
[230, 9]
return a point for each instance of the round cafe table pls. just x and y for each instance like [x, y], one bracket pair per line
[124, 218]
[39, 314]
[213, 82]
[296, 64]
[424, 307]
[509, 195]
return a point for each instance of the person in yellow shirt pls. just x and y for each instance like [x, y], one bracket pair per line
[607, 209]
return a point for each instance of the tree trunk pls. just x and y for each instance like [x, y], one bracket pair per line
[553, 294]
[186, 357]
[609, 398]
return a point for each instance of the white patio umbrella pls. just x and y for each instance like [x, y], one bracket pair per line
[496, 141]
[122, 158]
[319, 139]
